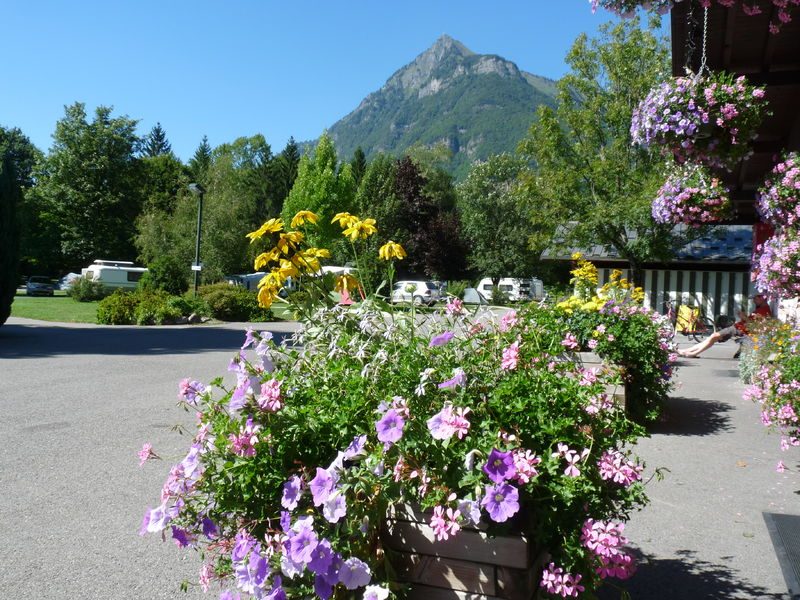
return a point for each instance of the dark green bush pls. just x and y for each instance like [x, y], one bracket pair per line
[233, 303]
[499, 297]
[456, 288]
[188, 305]
[84, 289]
[117, 309]
[166, 273]
[155, 308]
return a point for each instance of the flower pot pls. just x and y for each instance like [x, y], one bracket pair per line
[470, 564]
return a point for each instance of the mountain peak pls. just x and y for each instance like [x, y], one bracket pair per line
[446, 44]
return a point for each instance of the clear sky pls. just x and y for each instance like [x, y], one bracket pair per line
[239, 67]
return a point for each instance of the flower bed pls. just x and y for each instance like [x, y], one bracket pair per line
[708, 119]
[776, 265]
[778, 200]
[486, 424]
[692, 196]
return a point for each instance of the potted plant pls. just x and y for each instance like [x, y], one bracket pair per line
[693, 196]
[778, 200]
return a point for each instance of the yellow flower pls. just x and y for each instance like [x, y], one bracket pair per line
[319, 252]
[267, 295]
[306, 261]
[345, 219]
[263, 259]
[288, 269]
[360, 229]
[273, 279]
[288, 241]
[345, 282]
[304, 216]
[391, 250]
[271, 226]
[576, 255]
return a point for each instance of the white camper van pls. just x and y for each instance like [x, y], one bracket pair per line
[517, 290]
[114, 273]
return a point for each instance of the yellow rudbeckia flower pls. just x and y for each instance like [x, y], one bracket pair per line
[289, 241]
[345, 219]
[391, 250]
[345, 282]
[267, 295]
[304, 216]
[288, 269]
[263, 259]
[271, 226]
[360, 229]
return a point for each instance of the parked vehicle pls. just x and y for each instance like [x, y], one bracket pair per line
[249, 281]
[39, 286]
[517, 290]
[67, 280]
[114, 273]
[417, 292]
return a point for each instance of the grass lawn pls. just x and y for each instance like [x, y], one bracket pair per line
[56, 308]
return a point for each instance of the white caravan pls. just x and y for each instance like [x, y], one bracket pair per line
[114, 273]
[517, 290]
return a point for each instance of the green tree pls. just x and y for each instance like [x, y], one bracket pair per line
[200, 162]
[323, 190]
[156, 143]
[358, 164]
[89, 185]
[286, 169]
[588, 176]
[163, 176]
[494, 221]
[9, 233]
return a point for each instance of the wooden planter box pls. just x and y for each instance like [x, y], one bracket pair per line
[468, 566]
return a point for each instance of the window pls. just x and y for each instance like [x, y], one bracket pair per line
[134, 276]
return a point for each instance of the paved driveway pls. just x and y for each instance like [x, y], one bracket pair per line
[76, 404]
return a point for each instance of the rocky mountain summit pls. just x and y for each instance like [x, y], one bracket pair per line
[478, 104]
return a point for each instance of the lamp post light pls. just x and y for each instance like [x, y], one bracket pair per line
[197, 190]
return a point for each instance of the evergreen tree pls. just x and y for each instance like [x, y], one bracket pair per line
[156, 143]
[359, 165]
[286, 169]
[9, 234]
[200, 162]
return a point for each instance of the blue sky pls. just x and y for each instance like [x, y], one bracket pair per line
[228, 69]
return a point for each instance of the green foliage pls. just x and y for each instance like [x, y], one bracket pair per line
[9, 233]
[166, 273]
[457, 288]
[200, 162]
[322, 189]
[233, 303]
[588, 174]
[155, 143]
[499, 297]
[155, 308]
[89, 185]
[358, 165]
[118, 309]
[84, 289]
[163, 179]
[494, 221]
[286, 167]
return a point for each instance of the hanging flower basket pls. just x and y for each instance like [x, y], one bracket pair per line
[776, 266]
[691, 196]
[707, 119]
[627, 8]
[779, 199]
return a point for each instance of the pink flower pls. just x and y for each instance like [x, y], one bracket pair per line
[780, 467]
[454, 307]
[510, 357]
[525, 463]
[146, 453]
[270, 397]
[444, 524]
[449, 422]
[244, 444]
[592, 344]
[570, 342]
[508, 320]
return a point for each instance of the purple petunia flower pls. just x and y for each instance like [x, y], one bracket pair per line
[322, 588]
[499, 466]
[321, 486]
[458, 380]
[243, 543]
[356, 447]
[190, 391]
[291, 493]
[251, 575]
[354, 574]
[302, 545]
[321, 558]
[390, 427]
[501, 501]
[441, 339]
[334, 507]
[249, 338]
[285, 520]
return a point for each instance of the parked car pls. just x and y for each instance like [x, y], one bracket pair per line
[39, 286]
[417, 292]
[517, 290]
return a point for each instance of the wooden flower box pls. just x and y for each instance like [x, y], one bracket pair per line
[469, 566]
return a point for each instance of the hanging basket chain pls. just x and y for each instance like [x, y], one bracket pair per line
[691, 25]
[703, 65]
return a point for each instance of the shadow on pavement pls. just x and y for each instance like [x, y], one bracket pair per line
[691, 416]
[686, 577]
[29, 341]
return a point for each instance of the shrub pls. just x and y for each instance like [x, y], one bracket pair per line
[84, 289]
[499, 297]
[456, 288]
[233, 303]
[155, 308]
[118, 308]
[189, 304]
[166, 273]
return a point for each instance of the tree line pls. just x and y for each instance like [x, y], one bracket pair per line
[102, 191]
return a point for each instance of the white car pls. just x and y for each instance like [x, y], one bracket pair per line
[416, 292]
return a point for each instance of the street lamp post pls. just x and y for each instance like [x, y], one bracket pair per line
[197, 190]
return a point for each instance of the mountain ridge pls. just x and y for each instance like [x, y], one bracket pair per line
[477, 104]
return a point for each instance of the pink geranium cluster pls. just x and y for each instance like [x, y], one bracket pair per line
[615, 466]
[605, 540]
[708, 119]
[627, 8]
[776, 265]
[692, 196]
[778, 200]
[555, 581]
